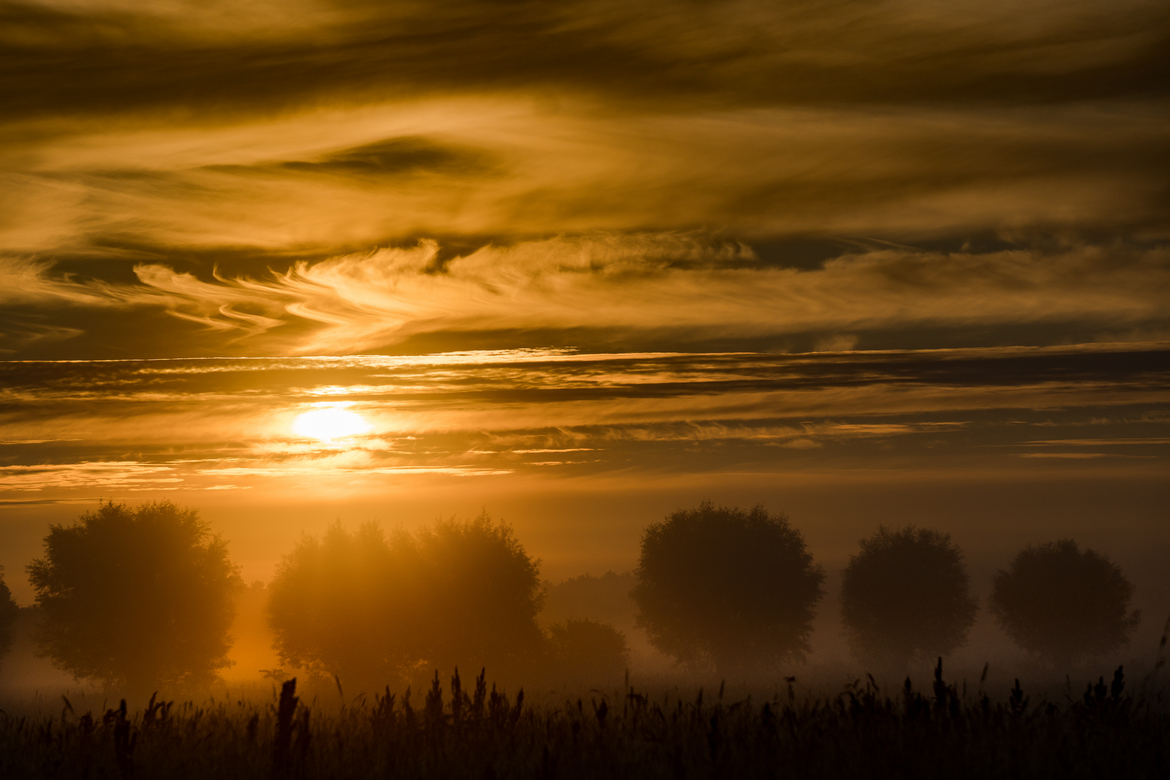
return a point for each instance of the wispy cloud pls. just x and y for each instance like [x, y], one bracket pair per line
[123, 475]
[657, 282]
[262, 172]
[25, 280]
[506, 166]
[202, 424]
[369, 300]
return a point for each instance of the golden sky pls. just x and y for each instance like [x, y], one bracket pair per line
[635, 254]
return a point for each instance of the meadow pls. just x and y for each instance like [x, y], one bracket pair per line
[359, 609]
[470, 729]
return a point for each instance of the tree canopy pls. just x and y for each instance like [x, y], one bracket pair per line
[371, 609]
[906, 595]
[342, 604]
[479, 595]
[1063, 603]
[8, 613]
[136, 597]
[726, 587]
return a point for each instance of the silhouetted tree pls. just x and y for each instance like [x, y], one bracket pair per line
[1063, 603]
[8, 614]
[905, 595]
[588, 651]
[343, 605]
[140, 598]
[371, 609]
[727, 587]
[605, 599]
[480, 593]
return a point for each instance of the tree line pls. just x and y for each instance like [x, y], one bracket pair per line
[141, 598]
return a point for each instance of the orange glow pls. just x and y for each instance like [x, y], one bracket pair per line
[329, 423]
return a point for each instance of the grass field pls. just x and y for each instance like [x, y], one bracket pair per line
[471, 730]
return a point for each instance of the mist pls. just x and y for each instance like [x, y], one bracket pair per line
[757, 387]
[270, 637]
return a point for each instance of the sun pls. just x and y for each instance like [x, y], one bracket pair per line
[329, 423]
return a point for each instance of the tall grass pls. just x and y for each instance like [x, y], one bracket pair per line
[478, 731]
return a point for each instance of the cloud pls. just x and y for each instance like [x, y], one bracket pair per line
[683, 284]
[213, 305]
[106, 474]
[838, 342]
[213, 408]
[261, 55]
[194, 424]
[1096, 442]
[395, 156]
[25, 280]
[364, 302]
[329, 181]
[576, 168]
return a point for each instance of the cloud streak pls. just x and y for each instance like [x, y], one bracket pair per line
[219, 424]
[741, 51]
[664, 282]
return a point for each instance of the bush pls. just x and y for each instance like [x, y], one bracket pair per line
[725, 587]
[587, 651]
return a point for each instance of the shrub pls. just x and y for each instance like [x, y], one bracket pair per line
[587, 651]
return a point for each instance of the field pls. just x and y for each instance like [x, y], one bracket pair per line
[472, 730]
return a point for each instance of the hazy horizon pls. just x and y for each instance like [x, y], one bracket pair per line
[586, 264]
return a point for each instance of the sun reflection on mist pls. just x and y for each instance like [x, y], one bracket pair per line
[329, 423]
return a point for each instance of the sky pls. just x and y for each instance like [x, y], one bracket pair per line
[582, 264]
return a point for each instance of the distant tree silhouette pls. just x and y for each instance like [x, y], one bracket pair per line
[139, 598]
[727, 587]
[1063, 603]
[343, 605]
[605, 599]
[8, 613]
[480, 594]
[906, 595]
[371, 609]
[588, 651]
